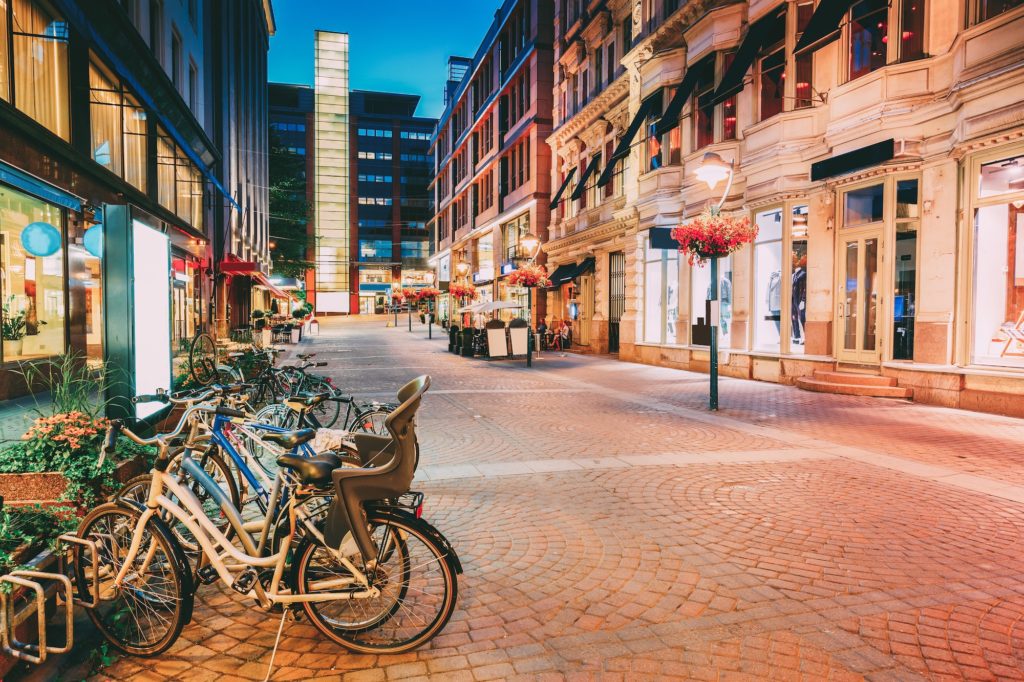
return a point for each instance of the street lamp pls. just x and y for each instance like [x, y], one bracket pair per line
[712, 171]
[462, 268]
[529, 243]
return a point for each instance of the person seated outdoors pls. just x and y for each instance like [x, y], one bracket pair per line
[565, 336]
[542, 330]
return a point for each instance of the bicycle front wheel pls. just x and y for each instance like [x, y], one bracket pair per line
[202, 360]
[371, 421]
[145, 614]
[417, 589]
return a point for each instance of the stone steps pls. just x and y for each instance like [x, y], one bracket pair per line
[850, 383]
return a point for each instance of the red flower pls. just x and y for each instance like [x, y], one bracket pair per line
[463, 291]
[713, 235]
[530, 275]
[427, 294]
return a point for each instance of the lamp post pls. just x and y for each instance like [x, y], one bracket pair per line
[462, 270]
[530, 245]
[713, 170]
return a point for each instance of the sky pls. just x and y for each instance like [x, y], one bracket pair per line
[395, 45]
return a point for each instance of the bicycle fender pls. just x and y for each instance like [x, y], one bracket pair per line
[430, 531]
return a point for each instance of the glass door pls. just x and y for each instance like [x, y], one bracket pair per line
[859, 302]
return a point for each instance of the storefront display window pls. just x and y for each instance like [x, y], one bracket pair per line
[31, 277]
[700, 289]
[864, 206]
[483, 259]
[661, 295]
[998, 313]
[92, 280]
[768, 280]
[798, 279]
[40, 48]
[905, 279]
[118, 127]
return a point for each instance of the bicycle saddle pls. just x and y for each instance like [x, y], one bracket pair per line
[315, 471]
[305, 400]
[290, 439]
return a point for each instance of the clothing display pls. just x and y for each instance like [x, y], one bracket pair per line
[798, 309]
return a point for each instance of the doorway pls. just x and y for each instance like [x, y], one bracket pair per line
[859, 298]
[616, 297]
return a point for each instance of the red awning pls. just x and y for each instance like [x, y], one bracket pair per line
[250, 269]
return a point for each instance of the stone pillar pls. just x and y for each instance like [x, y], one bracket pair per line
[936, 269]
[821, 235]
[629, 325]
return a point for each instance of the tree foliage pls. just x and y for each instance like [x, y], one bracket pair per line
[289, 211]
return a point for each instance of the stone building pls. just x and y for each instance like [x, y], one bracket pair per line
[878, 146]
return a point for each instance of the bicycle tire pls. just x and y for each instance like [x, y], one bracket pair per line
[371, 421]
[362, 630]
[160, 585]
[202, 359]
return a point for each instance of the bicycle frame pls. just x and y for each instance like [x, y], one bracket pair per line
[216, 546]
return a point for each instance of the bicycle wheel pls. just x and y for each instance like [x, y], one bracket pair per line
[418, 589]
[274, 415]
[202, 359]
[146, 614]
[329, 410]
[137, 490]
[371, 421]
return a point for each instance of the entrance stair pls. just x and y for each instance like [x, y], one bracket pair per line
[854, 383]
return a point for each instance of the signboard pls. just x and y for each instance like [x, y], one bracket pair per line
[151, 257]
[444, 268]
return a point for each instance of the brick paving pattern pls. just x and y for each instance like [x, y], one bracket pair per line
[611, 528]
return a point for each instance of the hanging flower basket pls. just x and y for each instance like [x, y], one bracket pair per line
[531, 275]
[461, 291]
[427, 294]
[713, 235]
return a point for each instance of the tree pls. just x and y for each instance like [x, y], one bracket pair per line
[289, 211]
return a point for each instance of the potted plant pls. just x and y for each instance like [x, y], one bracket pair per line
[13, 330]
[713, 235]
[529, 275]
[259, 319]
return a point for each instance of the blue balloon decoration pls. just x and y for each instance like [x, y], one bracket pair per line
[93, 240]
[41, 239]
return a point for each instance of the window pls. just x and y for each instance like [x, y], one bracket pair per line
[869, 28]
[768, 280]
[376, 201]
[176, 63]
[863, 206]
[798, 278]
[33, 283]
[772, 68]
[375, 250]
[118, 128]
[912, 30]
[704, 120]
[415, 250]
[179, 182]
[412, 135]
[610, 62]
[905, 263]
[511, 233]
[661, 295]
[156, 29]
[375, 178]
[804, 62]
[627, 34]
[998, 310]
[39, 43]
[598, 69]
[652, 143]
[193, 86]
[374, 132]
[700, 290]
[993, 8]
[193, 13]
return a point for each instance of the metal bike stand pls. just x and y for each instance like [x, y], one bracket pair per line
[33, 581]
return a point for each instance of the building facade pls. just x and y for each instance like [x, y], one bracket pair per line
[877, 146]
[107, 104]
[492, 180]
[390, 166]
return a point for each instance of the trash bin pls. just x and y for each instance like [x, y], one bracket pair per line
[466, 349]
[453, 339]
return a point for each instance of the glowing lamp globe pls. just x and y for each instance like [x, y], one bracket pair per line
[93, 240]
[41, 239]
[712, 170]
[531, 245]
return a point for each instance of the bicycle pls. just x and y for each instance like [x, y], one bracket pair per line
[356, 574]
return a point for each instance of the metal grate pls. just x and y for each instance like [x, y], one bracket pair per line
[616, 297]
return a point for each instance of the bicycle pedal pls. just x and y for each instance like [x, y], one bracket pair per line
[208, 575]
[245, 581]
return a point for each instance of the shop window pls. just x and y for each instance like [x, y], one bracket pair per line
[118, 128]
[652, 142]
[704, 120]
[661, 295]
[165, 161]
[700, 290]
[804, 62]
[798, 279]
[912, 13]
[863, 206]
[768, 281]
[772, 71]
[998, 313]
[91, 277]
[32, 286]
[40, 47]
[869, 34]
[905, 278]
[134, 143]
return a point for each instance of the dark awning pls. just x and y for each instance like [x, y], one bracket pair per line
[622, 150]
[670, 119]
[823, 26]
[864, 157]
[562, 274]
[661, 238]
[581, 186]
[761, 34]
[561, 190]
[586, 266]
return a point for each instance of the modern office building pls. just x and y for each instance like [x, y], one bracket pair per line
[492, 178]
[879, 149]
[391, 169]
[124, 104]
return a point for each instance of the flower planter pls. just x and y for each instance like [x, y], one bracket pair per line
[12, 349]
[46, 487]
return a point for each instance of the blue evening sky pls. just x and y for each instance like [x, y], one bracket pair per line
[395, 45]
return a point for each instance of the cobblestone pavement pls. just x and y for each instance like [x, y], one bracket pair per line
[611, 528]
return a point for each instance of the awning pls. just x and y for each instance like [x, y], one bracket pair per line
[661, 238]
[823, 26]
[247, 268]
[670, 119]
[581, 186]
[864, 157]
[562, 274]
[264, 282]
[586, 266]
[561, 190]
[622, 150]
[761, 34]
[44, 190]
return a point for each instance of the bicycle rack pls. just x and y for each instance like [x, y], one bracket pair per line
[33, 581]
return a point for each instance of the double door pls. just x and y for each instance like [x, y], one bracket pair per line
[859, 298]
